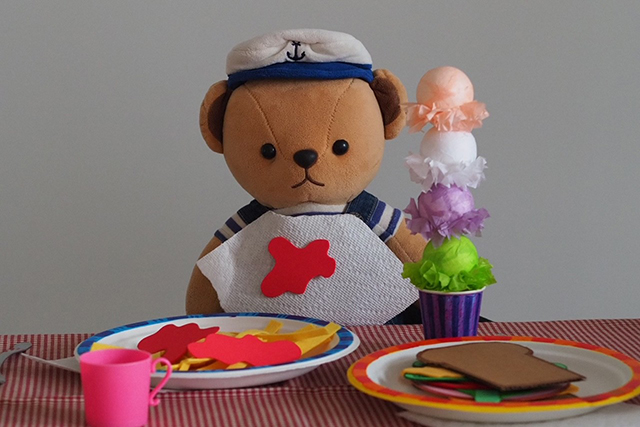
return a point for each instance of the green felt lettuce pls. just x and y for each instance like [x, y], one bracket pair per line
[452, 267]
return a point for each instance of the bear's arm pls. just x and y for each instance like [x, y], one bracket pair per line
[202, 298]
[407, 247]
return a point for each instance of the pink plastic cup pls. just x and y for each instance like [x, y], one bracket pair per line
[116, 385]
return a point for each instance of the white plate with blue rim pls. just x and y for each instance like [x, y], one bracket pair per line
[128, 336]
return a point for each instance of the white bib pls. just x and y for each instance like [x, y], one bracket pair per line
[366, 289]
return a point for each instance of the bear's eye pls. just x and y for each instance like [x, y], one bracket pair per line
[268, 151]
[340, 147]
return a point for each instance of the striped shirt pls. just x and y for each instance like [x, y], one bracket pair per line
[382, 219]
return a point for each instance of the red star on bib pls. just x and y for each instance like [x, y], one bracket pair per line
[295, 267]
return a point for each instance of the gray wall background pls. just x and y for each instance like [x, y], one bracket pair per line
[108, 193]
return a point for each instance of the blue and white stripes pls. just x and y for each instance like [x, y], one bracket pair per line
[382, 219]
[232, 226]
[385, 221]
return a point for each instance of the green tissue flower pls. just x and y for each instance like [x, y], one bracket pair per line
[452, 267]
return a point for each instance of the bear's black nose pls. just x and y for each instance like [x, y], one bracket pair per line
[305, 158]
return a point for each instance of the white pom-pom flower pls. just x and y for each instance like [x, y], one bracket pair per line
[447, 158]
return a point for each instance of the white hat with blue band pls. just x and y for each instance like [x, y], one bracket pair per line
[299, 54]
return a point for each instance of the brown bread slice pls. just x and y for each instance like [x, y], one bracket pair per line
[504, 366]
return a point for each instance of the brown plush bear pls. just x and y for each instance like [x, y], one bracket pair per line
[304, 135]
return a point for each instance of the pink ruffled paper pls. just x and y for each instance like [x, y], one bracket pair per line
[465, 117]
[444, 212]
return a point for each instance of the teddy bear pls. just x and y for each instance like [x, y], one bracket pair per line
[302, 122]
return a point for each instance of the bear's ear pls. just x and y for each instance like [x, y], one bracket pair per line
[390, 93]
[212, 114]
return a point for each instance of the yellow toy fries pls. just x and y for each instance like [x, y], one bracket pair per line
[311, 339]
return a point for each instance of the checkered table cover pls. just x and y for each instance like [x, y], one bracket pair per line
[39, 395]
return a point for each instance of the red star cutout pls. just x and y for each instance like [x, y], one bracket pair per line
[295, 267]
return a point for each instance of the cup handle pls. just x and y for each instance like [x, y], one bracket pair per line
[153, 401]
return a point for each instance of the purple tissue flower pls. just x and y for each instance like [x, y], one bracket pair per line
[443, 212]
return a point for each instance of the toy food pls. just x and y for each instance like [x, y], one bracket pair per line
[248, 349]
[302, 122]
[504, 366]
[172, 340]
[490, 372]
[212, 349]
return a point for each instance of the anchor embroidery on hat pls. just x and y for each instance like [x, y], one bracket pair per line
[295, 56]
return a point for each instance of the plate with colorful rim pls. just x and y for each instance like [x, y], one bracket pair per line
[611, 377]
[128, 336]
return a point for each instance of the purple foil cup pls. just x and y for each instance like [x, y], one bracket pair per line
[450, 314]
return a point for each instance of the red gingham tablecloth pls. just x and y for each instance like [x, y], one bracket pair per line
[39, 395]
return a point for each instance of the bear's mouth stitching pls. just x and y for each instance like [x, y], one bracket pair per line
[307, 178]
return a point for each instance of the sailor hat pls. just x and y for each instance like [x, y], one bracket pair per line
[299, 54]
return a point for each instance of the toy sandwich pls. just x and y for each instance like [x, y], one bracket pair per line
[490, 373]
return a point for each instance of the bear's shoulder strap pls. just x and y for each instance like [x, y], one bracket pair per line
[245, 216]
[382, 219]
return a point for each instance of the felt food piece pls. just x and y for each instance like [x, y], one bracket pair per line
[195, 363]
[306, 329]
[304, 333]
[254, 347]
[309, 341]
[539, 394]
[432, 372]
[273, 327]
[485, 395]
[248, 349]
[190, 364]
[174, 340]
[567, 392]
[295, 267]
[100, 346]
[446, 392]
[239, 365]
[504, 366]
[213, 366]
[318, 349]
[459, 385]
[443, 383]
[495, 396]
[308, 344]
[422, 378]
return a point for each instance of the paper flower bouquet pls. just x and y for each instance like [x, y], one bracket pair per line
[450, 275]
